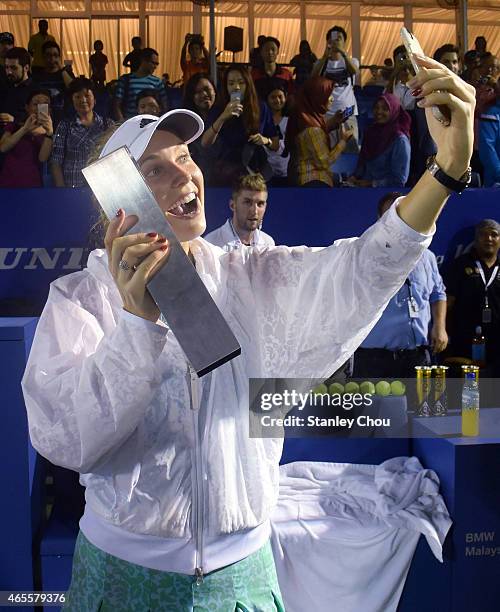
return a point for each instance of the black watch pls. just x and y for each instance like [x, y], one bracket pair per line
[458, 186]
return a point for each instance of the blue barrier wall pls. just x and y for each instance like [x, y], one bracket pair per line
[45, 232]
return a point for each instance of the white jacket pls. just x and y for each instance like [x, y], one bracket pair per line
[108, 394]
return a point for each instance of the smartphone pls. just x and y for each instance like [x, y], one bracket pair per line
[334, 36]
[42, 108]
[236, 96]
[347, 112]
[68, 62]
[441, 113]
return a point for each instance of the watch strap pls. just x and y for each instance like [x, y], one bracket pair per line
[457, 186]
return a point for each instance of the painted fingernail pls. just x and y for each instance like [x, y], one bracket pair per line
[416, 92]
[152, 234]
[119, 212]
[164, 247]
[162, 239]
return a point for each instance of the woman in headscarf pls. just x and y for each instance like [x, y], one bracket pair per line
[307, 136]
[384, 160]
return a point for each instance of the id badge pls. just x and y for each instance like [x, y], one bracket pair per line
[486, 318]
[412, 309]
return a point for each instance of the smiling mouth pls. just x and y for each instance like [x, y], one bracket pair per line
[186, 207]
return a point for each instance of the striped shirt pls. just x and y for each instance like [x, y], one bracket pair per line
[129, 85]
[313, 157]
[73, 143]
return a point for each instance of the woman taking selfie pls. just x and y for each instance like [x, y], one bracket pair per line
[178, 496]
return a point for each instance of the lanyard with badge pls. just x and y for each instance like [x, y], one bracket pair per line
[412, 302]
[486, 315]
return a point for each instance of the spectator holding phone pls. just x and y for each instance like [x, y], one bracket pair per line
[338, 66]
[384, 160]
[307, 136]
[198, 56]
[27, 145]
[402, 73]
[238, 121]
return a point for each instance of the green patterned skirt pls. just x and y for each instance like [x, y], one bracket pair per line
[102, 582]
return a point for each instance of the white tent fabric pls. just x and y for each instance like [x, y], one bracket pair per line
[77, 24]
[346, 533]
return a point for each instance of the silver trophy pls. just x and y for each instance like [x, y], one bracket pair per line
[181, 296]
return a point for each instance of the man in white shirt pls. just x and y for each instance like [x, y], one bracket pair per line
[338, 66]
[248, 203]
[401, 74]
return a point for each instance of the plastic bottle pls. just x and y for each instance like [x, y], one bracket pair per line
[470, 403]
[479, 348]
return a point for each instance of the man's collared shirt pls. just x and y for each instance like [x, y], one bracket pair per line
[227, 238]
[395, 329]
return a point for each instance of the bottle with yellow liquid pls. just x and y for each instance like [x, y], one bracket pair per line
[470, 401]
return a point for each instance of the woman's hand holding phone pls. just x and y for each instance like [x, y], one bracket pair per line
[233, 108]
[435, 85]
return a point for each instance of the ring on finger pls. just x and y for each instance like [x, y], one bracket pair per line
[123, 265]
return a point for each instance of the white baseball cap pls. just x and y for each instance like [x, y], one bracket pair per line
[136, 132]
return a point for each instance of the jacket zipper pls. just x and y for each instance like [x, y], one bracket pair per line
[198, 500]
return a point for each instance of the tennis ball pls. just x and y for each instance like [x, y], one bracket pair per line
[320, 389]
[398, 387]
[383, 388]
[336, 389]
[367, 387]
[351, 387]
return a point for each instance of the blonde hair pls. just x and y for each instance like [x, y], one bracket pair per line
[251, 182]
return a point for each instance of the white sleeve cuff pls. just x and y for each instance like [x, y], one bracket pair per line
[392, 218]
[132, 319]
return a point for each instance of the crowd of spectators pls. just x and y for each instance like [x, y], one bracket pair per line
[305, 124]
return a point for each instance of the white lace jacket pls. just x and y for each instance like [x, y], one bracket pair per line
[108, 394]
